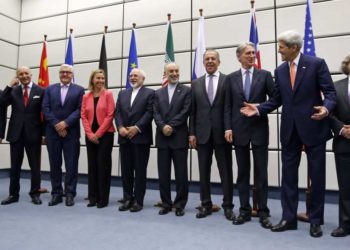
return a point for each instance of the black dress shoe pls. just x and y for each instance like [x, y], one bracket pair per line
[241, 219]
[101, 205]
[135, 208]
[315, 230]
[91, 204]
[164, 210]
[203, 212]
[284, 226]
[126, 206]
[340, 232]
[229, 214]
[179, 212]
[55, 200]
[9, 200]
[36, 200]
[265, 222]
[69, 201]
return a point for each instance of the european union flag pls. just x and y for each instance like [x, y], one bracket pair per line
[309, 44]
[69, 54]
[132, 62]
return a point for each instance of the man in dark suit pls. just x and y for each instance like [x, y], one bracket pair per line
[61, 108]
[133, 117]
[172, 106]
[249, 85]
[25, 131]
[300, 82]
[340, 120]
[207, 134]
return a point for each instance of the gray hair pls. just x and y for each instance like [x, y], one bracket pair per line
[171, 63]
[241, 47]
[345, 65]
[67, 66]
[291, 38]
[212, 50]
[23, 67]
[141, 71]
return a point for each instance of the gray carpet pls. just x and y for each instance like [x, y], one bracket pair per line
[26, 226]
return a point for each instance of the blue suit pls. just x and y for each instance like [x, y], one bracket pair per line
[298, 129]
[55, 112]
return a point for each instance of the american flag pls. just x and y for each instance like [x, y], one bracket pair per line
[253, 38]
[309, 44]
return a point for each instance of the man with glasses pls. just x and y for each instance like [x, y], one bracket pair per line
[61, 108]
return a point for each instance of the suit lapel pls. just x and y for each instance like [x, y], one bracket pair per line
[177, 92]
[239, 80]
[302, 66]
[219, 88]
[137, 97]
[69, 93]
[32, 93]
[19, 93]
[255, 80]
[345, 92]
[204, 89]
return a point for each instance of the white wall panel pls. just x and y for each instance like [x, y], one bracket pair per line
[53, 27]
[331, 173]
[4, 156]
[9, 29]
[8, 54]
[273, 169]
[226, 6]
[153, 11]
[83, 4]
[92, 21]
[11, 8]
[6, 76]
[40, 8]
[273, 139]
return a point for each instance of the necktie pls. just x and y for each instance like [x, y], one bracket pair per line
[211, 89]
[292, 74]
[25, 96]
[247, 85]
[64, 89]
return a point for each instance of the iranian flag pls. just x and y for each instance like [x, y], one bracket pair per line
[169, 50]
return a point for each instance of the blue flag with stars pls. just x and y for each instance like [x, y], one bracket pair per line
[69, 54]
[132, 62]
[309, 44]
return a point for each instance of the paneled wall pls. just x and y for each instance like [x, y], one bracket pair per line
[23, 24]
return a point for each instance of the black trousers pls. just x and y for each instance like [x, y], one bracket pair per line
[260, 159]
[179, 158]
[70, 147]
[316, 160]
[342, 163]
[99, 168]
[134, 160]
[223, 155]
[33, 151]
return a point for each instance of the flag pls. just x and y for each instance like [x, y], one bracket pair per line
[198, 66]
[169, 51]
[43, 80]
[309, 44]
[69, 53]
[132, 62]
[103, 60]
[253, 38]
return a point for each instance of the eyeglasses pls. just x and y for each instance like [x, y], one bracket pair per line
[66, 72]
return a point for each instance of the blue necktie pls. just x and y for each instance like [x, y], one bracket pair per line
[247, 85]
[211, 89]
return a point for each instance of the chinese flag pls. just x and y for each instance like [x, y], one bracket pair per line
[44, 71]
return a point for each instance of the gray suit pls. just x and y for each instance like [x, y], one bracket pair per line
[249, 130]
[341, 148]
[207, 124]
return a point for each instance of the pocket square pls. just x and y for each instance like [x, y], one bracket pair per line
[36, 97]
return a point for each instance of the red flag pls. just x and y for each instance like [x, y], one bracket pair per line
[44, 70]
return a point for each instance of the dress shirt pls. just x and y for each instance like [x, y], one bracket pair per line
[215, 82]
[296, 62]
[30, 85]
[243, 71]
[171, 90]
[134, 94]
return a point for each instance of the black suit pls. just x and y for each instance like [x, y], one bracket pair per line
[25, 132]
[249, 131]
[207, 125]
[3, 117]
[134, 153]
[175, 146]
[341, 148]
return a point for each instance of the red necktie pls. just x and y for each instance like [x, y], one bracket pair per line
[25, 96]
[292, 74]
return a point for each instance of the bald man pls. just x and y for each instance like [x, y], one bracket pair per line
[25, 131]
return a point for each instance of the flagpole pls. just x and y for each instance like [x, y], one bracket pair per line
[254, 212]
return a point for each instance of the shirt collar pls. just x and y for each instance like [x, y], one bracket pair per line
[30, 85]
[251, 70]
[296, 60]
[67, 85]
[216, 74]
[136, 89]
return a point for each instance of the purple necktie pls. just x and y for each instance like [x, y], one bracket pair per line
[64, 89]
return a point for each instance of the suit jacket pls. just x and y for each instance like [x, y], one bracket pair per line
[54, 111]
[312, 80]
[174, 114]
[24, 117]
[247, 129]
[140, 113]
[104, 113]
[341, 117]
[3, 116]
[206, 118]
